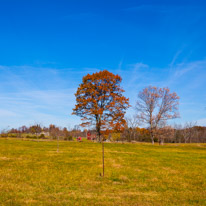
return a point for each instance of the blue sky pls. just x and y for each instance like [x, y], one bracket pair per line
[46, 47]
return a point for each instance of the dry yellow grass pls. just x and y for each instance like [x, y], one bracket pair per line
[33, 173]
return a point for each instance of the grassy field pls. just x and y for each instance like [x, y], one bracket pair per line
[33, 173]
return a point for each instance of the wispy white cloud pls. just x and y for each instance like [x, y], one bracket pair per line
[35, 94]
[187, 79]
[191, 70]
[37, 106]
[183, 68]
[175, 58]
[134, 73]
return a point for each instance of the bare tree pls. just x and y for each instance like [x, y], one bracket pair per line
[189, 131]
[131, 127]
[156, 105]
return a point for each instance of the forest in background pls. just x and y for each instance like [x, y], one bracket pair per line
[188, 133]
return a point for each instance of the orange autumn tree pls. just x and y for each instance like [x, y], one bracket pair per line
[100, 101]
[155, 106]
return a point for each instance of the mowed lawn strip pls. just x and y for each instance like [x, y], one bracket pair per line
[33, 173]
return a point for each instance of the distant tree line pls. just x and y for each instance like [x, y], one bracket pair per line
[187, 133]
[41, 132]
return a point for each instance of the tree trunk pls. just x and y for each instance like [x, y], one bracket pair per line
[151, 132]
[98, 127]
[152, 136]
[98, 133]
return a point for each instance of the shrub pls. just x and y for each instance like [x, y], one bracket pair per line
[68, 138]
[42, 136]
[12, 135]
[31, 136]
[4, 135]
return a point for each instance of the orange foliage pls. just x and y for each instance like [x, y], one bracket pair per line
[99, 101]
